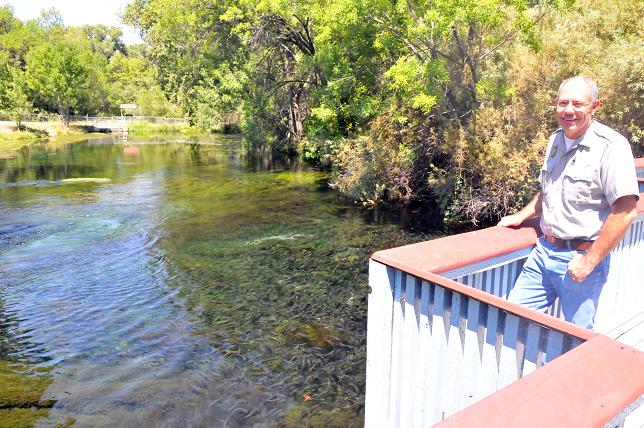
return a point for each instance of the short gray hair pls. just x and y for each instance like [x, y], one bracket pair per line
[590, 84]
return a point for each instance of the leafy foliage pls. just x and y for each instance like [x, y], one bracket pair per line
[444, 102]
[46, 66]
[477, 154]
[17, 105]
[59, 72]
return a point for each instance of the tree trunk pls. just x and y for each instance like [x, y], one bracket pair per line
[295, 113]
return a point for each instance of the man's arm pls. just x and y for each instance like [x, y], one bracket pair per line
[533, 209]
[623, 212]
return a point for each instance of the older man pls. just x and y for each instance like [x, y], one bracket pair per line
[588, 199]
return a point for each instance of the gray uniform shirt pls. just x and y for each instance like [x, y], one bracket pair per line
[580, 185]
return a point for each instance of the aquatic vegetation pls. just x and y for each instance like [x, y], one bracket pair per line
[85, 180]
[237, 284]
[297, 273]
[21, 403]
[314, 335]
[21, 418]
[23, 386]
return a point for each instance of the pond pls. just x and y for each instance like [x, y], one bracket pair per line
[169, 283]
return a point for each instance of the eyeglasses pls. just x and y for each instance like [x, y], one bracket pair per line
[576, 105]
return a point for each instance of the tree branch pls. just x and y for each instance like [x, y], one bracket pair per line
[511, 34]
[416, 50]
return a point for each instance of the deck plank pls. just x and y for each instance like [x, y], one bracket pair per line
[630, 332]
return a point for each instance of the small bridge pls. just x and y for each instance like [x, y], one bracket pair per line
[120, 124]
[114, 124]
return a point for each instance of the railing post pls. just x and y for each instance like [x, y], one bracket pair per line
[379, 331]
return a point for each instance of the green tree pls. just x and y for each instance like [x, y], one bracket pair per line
[50, 19]
[60, 71]
[105, 40]
[16, 103]
[17, 37]
[7, 20]
[187, 41]
[132, 79]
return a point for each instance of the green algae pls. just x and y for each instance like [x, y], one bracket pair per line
[316, 335]
[21, 418]
[21, 391]
[85, 180]
[23, 386]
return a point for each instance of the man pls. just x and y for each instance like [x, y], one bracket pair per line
[588, 199]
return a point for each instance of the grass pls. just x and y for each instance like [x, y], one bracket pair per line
[149, 128]
[18, 136]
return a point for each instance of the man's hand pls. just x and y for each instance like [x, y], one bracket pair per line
[511, 220]
[579, 268]
[531, 210]
[623, 212]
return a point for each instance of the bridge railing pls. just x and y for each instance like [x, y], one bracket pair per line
[441, 335]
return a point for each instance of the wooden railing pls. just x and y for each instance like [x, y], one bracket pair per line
[435, 346]
[598, 384]
[441, 335]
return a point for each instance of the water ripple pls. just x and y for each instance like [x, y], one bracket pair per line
[89, 298]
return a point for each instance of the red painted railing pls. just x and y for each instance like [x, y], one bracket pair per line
[592, 385]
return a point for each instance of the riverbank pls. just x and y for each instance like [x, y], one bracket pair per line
[33, 130]
[12, 139]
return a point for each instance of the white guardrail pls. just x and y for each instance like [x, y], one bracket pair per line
[438, 344]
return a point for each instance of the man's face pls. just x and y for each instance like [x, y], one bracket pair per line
[575, 108]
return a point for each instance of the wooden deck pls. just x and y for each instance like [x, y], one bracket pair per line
[631, 332]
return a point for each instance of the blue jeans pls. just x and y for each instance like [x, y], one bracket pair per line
[545, 277]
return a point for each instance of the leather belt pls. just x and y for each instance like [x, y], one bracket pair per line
[570, 244]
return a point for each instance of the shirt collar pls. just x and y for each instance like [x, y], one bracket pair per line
[585, 139]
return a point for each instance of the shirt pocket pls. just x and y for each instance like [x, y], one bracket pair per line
[577, 185]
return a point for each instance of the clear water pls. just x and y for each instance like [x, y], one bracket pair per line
[168, 284]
